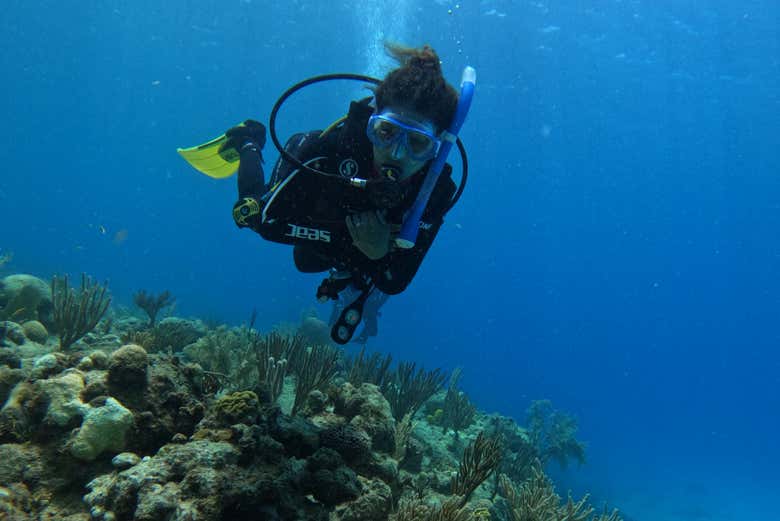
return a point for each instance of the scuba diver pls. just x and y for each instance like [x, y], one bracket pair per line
[358, 200]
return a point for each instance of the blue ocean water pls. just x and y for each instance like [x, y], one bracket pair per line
[616, 250]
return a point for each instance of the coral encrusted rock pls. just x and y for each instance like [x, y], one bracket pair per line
[366, 409]
[237, 407]
[104, 429]
[127, 367]
[353, 444]
[35, 331]
[25, 297]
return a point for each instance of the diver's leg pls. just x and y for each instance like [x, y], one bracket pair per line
[371, 315]
[309, 260]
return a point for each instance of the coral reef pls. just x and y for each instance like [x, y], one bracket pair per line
[191, 423]
[204, 480]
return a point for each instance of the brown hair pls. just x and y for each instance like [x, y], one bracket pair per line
[418, 85]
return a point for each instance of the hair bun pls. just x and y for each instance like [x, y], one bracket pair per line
[418, 85]
[424, 59]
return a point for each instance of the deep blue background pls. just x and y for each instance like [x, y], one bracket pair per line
[616, 251]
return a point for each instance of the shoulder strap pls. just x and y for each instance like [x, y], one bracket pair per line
[352, 138]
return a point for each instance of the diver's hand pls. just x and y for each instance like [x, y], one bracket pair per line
[250, 131]
[370, 233]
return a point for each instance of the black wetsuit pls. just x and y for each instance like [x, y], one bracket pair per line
[309, 210]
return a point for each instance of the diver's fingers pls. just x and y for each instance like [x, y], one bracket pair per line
[351, 226]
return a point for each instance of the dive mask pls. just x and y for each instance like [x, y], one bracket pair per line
[384, 130]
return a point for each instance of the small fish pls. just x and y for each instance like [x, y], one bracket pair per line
[120, 237]
[102, 229]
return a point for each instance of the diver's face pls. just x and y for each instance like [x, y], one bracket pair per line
[397, 155]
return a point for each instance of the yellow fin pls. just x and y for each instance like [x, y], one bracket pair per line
[206, 158]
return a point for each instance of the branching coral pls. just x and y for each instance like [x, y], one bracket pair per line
[372, 369]
[480, 459]
[411, 511]
[76, 313]
[274, 378]
[536, 500]
[317, 368]
[517, 465]
[408, 389]
[611, 516]
[552, 433]
[152, 304]
[519, 455]
[458, 411]
[571, 511]
[273, 348]
[268, 360]
[402, 431]
[243, 359]
[452, 509]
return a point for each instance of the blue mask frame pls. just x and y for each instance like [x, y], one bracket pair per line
[401, 136]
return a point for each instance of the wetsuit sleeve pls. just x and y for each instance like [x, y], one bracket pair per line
[395, 271]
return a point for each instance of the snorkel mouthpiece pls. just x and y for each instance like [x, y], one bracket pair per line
[384, 191]
[390, 172]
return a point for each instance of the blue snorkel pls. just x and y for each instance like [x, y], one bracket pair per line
[408, 235]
